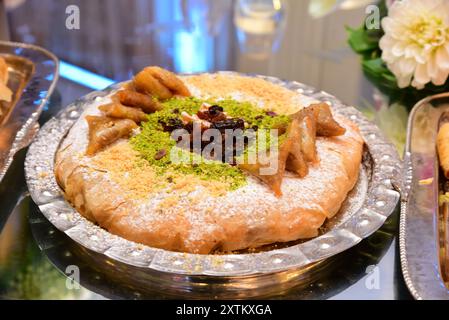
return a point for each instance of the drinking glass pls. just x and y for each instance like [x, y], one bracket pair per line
[259, 26]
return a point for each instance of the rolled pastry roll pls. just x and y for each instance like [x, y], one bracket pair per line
[3, 71]
[443, 147]
[5, 92]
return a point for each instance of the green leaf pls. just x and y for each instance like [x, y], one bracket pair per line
[361, 41]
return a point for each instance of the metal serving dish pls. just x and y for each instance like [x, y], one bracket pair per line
[423, 224]
[235, 275]
[33, 73]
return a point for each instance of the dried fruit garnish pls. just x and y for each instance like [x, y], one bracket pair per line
[233, 124]
[215, 109]
[160, 154]
[172, 124]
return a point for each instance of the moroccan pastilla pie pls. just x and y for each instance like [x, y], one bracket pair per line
[206, 163]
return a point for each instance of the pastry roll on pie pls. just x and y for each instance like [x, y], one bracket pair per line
[443, 148]
[5, 92]
[137, 182]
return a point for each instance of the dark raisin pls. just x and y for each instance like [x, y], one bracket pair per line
[175, 111]
[271, 113]
[258, 117]
[219, 117]
[215, 110]
[203, 115]
[172, 124]
[189, 127]
[255, 128]
[160, 154]
[240, 124]
[234, 124]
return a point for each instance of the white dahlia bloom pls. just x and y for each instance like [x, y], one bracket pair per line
[416, 42]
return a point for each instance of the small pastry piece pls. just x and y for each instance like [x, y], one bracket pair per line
[326, 125]
[295, 160]
[273, 180]
[289, 154]
[3, 71]
[144, 82]
[116, 110]
[103, 131]
[5, 92]
[308, 138]
[169, 80]
[443, 147]
[138, 100]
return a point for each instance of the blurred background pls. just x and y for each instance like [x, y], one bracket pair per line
[303, 40]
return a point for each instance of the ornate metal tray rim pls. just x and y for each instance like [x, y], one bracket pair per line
[380, 202]
[427, 283]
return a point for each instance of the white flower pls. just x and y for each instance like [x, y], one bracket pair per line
[416, 42]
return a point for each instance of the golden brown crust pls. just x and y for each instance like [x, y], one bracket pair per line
[192, 220]
[104, 130]
[443, 148]
[118, 111]
[188, 227]
[3, 71]
[138, 100]
[5, 92]
[144, 82]
[169, 80]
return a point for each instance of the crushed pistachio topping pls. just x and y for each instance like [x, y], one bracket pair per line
[156, 146]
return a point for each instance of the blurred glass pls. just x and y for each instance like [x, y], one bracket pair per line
[320, 8]
[259, 26]
[205, 16]
[353, 4]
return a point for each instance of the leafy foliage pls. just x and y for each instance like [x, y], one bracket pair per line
[365, 42]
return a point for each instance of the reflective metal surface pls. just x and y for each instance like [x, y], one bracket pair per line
[236, 275]
[421, 223]
[33, 72]
[347, 275]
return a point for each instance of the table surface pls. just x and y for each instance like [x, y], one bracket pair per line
[34, 256]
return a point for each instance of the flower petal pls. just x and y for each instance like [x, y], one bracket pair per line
[407, 66]
[442, 58]
[421, 77]
[432, 68]
[440, 78]
[398, 49]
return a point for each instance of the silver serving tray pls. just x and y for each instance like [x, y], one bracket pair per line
[234, 275]
[423, 249]
[33, 72]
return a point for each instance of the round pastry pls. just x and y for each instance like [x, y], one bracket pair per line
[132, 187]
